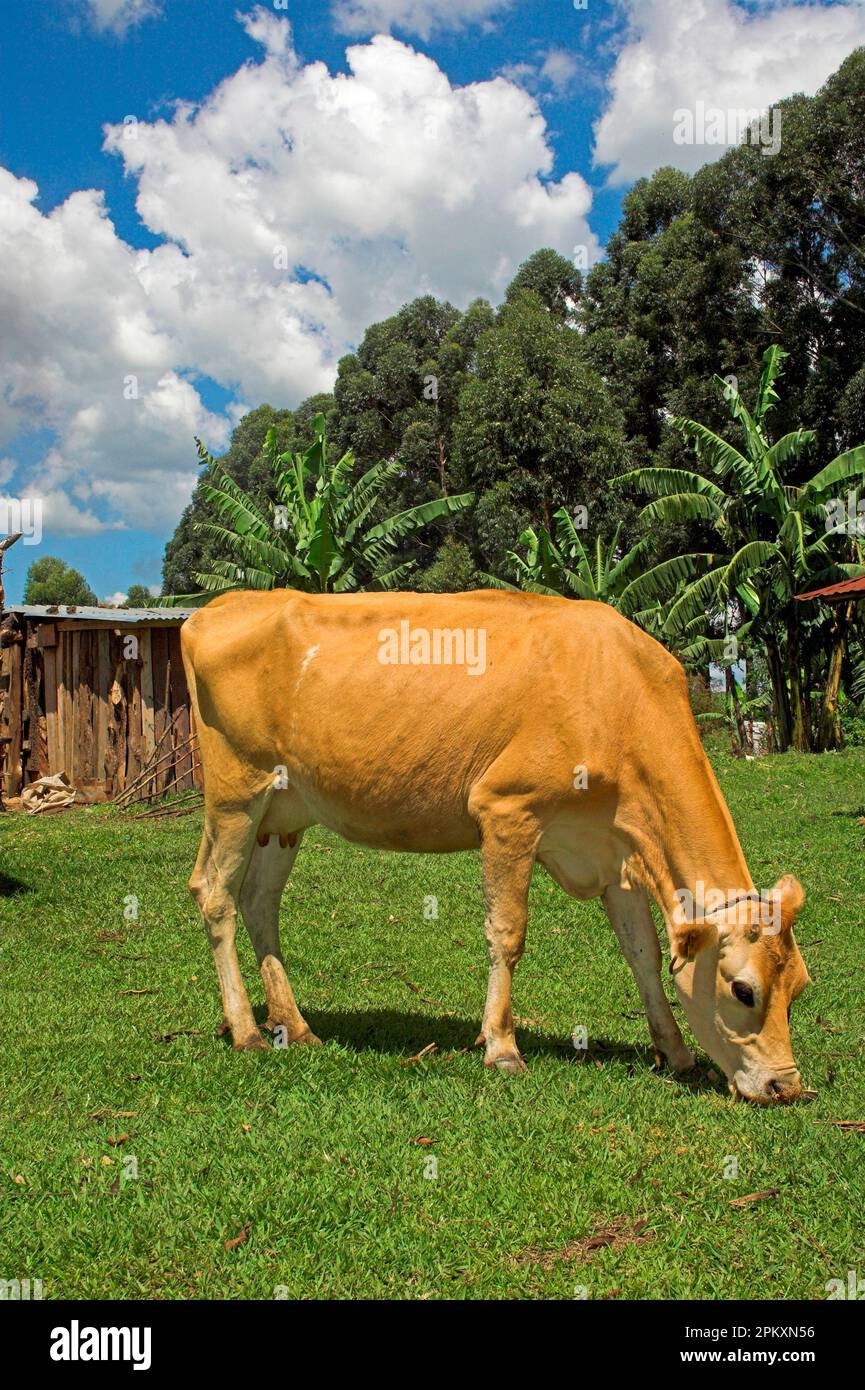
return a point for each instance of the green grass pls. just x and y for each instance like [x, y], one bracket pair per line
[316, 1148]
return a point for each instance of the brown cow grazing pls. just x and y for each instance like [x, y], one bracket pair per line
[531, 728]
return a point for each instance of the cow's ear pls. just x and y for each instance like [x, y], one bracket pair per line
[789, 895]
[689, 940]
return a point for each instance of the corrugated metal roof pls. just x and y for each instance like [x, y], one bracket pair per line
[122, 616]
[847, 588]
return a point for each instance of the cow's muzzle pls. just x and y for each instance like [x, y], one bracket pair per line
[778, 1087]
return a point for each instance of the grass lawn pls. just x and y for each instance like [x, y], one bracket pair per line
[323, 1156]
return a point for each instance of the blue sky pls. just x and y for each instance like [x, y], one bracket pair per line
[229, 193]
[62, 80]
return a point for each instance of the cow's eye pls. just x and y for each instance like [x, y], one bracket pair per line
[743, 993]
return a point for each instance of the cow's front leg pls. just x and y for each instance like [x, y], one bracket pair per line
[629, 912]
[507, 869]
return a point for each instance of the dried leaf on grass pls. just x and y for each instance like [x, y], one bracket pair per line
[241, 1237]
[416, 990]
[755, 1197]
[617, 1233]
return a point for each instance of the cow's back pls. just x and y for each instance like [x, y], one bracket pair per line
[379, 726]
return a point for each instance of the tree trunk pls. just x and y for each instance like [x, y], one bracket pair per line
[830, 719]
[443, 475]
[733, 692]
[799, 724]
[780, 701]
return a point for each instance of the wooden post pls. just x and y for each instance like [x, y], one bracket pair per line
[102, 692]
[4, 546]
[14, 720]
[7, 764]
[50, 658]
[148, 740]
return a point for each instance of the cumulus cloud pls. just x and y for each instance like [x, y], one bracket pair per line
[119, 16]
[293, 207]
[421, 17]
[83, 356]
[323, 201]
[723, 54]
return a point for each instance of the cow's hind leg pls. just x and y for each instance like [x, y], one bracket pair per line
[260, 898]
[507, 869]
[631, 917]
[226, 847]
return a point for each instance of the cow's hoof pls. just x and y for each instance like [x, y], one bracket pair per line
[514, 1066]
[284, 1038]
[253, 1042]
[679, 1060]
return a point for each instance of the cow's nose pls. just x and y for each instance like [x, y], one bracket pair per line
[783, 1090]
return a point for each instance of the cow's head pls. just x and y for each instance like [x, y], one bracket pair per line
[737, 971]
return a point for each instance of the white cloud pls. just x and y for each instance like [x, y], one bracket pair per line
[722, 54]
[552, 74]
[294, 208]
[559, 69]
[272, 31]
[381, 183]
[421, 17]
[119, 16]
[115, 600]
[57, 513]
[77, 329]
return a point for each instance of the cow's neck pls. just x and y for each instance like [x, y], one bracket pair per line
[686, 839]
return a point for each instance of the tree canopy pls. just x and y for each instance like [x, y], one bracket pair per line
[51, 580]
[642, 366]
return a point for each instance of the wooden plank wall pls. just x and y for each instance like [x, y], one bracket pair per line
[93, 701]
[12, 716]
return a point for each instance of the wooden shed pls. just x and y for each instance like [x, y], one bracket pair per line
[97, 693]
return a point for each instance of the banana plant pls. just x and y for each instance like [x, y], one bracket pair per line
[773, 537]
[560, 564]
[321, 536]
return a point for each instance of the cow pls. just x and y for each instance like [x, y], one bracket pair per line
[533, 728]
